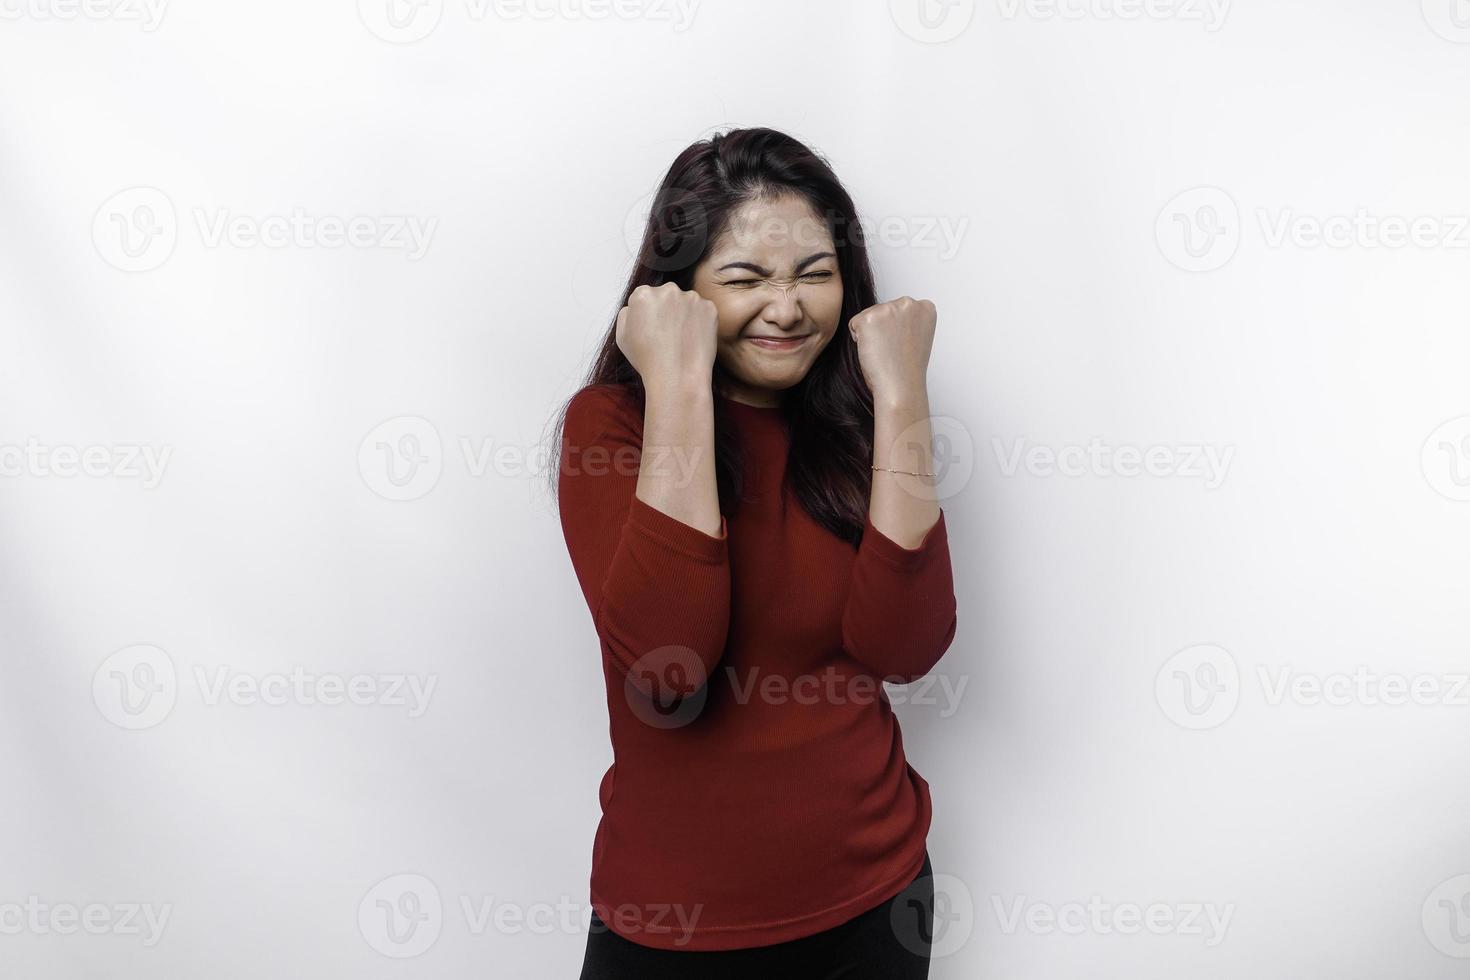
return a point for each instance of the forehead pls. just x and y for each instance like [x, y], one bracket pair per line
[786, 229]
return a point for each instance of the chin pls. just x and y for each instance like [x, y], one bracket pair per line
[763, 376]
[781, 383]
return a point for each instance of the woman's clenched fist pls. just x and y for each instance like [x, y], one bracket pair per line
[894, 340]
[669, 335]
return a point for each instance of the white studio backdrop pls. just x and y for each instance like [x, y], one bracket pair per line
[297, 680]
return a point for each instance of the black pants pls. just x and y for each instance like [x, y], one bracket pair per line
[890, 942]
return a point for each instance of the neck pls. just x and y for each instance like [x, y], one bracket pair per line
[758, 398]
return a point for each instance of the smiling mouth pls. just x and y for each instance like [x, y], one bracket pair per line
[779, 343]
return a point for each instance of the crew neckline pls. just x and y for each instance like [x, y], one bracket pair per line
[763, 409]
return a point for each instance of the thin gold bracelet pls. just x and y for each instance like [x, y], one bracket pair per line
[906, 472]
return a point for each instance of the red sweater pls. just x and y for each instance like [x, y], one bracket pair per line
[774, 801]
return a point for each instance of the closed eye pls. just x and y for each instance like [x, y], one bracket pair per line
[814, 276]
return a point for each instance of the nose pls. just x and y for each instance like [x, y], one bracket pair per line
[784, 310]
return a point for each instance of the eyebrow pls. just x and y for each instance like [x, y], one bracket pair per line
[766, 272]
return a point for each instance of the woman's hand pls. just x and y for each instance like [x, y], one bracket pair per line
[669, 335]
[894, 340]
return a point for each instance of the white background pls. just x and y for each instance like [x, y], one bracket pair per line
[1073, 763]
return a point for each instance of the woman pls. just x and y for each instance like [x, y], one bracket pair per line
[744, 486]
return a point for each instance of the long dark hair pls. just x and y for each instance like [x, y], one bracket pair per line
[830, 411]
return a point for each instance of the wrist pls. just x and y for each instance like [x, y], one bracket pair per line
[684, 389]
[905, 398]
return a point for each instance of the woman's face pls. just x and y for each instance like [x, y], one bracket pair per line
[773, 277]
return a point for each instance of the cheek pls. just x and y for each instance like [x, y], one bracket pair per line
[735, 312]
[826, 306]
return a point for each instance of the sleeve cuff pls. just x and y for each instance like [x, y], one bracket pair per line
[894, 553]
[674, 533]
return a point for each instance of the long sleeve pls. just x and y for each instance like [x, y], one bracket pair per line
[658, 589]
[815, 810]
[900, 614]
